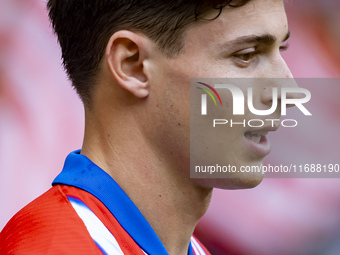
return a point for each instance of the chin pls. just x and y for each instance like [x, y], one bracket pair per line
[239, 183]
[232, 183]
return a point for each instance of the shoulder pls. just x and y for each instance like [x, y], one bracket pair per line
[48, 225]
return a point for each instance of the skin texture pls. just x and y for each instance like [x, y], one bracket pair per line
[138, 127]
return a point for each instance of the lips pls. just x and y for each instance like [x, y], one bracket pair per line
[256, 141]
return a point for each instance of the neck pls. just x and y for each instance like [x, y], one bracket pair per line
[169, 200]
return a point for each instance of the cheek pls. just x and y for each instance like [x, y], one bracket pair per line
[223, 144]
[211, 145]
[169, 122]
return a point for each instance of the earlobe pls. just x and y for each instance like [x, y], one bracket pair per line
[125, 57]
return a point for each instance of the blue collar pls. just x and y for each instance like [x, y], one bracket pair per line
[79, 171]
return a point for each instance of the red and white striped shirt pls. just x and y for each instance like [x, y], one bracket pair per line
[85, 212]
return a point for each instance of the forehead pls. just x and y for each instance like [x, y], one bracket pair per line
[257, 17]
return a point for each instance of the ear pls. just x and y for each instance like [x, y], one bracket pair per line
[126, 53]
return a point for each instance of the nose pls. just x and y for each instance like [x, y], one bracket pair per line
[280, 77]
[279, 68]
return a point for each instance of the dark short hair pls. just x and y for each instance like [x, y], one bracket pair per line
[84, 28]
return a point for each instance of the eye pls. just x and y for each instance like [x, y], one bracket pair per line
[244, 57]
[284, 47]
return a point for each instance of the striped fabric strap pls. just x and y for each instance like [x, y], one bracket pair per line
[103, 238]
[197, 247]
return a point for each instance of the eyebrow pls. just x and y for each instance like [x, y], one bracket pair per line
[266, 39]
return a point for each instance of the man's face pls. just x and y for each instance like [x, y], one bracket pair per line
[242, 42]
